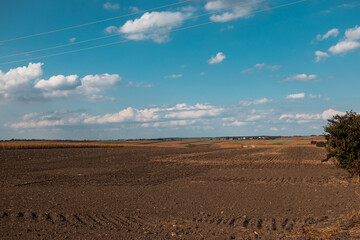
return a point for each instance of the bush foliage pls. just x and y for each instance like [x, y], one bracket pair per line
[343, 141]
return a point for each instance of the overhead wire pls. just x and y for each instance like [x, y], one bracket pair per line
[118, 34]
[95, 22]
[167, 32]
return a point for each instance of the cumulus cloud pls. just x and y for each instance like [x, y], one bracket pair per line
[97, 83]
[217, 59]
[198, 111]
[353, 33]
[24, 84]
[234, 9]
[296, 96]
[58, 82]
[41, 120]
[154, 26]
[327, 114]
[301, 77]
[61, 86]
[111, 6]
[17, 83]
[344, 47]
[180, 114]
[305, 117]
[320, 56]
[331, 33]
[255, 102]
[349, 43]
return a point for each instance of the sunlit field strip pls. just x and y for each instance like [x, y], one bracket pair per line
[280, 142]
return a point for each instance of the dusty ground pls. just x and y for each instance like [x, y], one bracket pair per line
[201, 192]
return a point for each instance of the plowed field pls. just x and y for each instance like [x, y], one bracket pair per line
[202, 192]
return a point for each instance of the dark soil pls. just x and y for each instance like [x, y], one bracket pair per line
[176, 193]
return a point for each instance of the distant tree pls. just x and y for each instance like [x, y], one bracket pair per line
[343, 141]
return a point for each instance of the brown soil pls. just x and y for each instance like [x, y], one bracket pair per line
[201, 192]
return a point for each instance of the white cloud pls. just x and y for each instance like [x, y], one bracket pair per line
[174, 76]
[139, 84]
[344, 47]
[111, 6]
[349, 43]
[217, 59]
[134, 9]
[305, 118]
[60, 86]
[239, 118]
[100, 98]
[203, 73]
[296, 96]
[17, 83]
[24, 84]
[252, 118]
[320, 56]
[38, 124]
[331, 33]
[301, 116]
[234, 9]
[188, 9]
[198, 111]
[234, 124]
[228, 119]
[255, 102]
[274, 129]
[261, 101]
[59, 82]
[72, 39]
[97, 83]
[230, 27]
[353, 33]
[178, 115]
[111, 29]
[330, 113]
[301, 77]
[172, 123]
[261, 66]
[122, 116]
[154, 25]
[20, 75]
[41, 120]
[313, 96]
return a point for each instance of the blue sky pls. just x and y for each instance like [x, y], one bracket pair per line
[253, 67]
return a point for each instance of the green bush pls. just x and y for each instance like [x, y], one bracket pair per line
[321, 144]
[343, 141]
[318, 144]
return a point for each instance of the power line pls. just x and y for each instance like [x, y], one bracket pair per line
[58, 46]
[113, 35]
[91, 23]
[127, 40]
